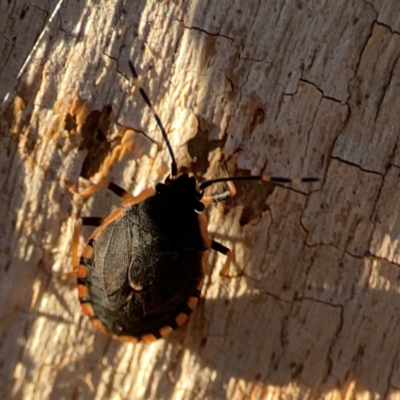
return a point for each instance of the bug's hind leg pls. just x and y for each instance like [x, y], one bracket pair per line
[226, 252]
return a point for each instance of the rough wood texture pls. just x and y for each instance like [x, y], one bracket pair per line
[311, 307]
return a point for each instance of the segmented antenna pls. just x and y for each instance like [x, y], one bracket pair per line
[174, 168]
[217, 197]
[265, 178]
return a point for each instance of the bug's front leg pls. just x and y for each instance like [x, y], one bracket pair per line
[128, 198]
[218, 197]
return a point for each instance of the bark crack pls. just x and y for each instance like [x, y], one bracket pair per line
[314, 300]
[390, 375]
[195, 28]
[357, 166]
[373, 7]
[362, 50]
[393, 31]
[330, 361]
[324, 96]
[385, 86]
[38, 8]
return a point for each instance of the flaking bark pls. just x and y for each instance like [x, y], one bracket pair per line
[311, 307]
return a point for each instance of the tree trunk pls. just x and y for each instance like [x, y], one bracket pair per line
[310, 306]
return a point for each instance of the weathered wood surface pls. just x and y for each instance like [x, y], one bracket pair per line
[312, 305]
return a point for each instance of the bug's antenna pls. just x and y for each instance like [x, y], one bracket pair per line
[174, 168]
[215, 198]
[265, 178]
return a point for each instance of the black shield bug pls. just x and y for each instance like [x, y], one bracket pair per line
[141, 273]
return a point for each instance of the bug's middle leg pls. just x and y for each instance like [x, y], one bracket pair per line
[226, 252]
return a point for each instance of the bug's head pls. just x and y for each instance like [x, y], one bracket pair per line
[182, 191]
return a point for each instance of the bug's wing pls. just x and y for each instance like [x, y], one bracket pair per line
[113, 254]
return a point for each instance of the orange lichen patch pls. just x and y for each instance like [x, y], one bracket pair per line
[16, 114]
[80, 110]
[200, 285]
[225, 269]
[139, 198]
[165, 331]
[87, 251]
[99, 325]
[203, 224]
[148, 338]
[82, 271]
[181, 318]
[83, 291]
[19, 105]
[112, 217]
[87, 309]
[192, 302]
[125, 339]
[127, 145]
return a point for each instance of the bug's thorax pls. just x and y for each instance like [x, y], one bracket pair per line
[180, 192]
[172, 214]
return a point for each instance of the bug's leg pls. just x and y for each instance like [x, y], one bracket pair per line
[132, 200]
[220, 248]
[128, 198]
[217, 197]
[119, 191]
[226, 252]
[105, 183]
[88, 191]
[90, 221]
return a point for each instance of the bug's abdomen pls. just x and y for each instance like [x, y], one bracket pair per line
[155, 310]
[139, 285]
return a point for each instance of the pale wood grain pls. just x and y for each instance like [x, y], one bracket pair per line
[311, 307]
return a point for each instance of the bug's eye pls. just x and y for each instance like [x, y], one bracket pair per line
[200, 207]
[160, 187]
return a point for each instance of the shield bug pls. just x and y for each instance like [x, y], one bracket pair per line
[141, 273]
